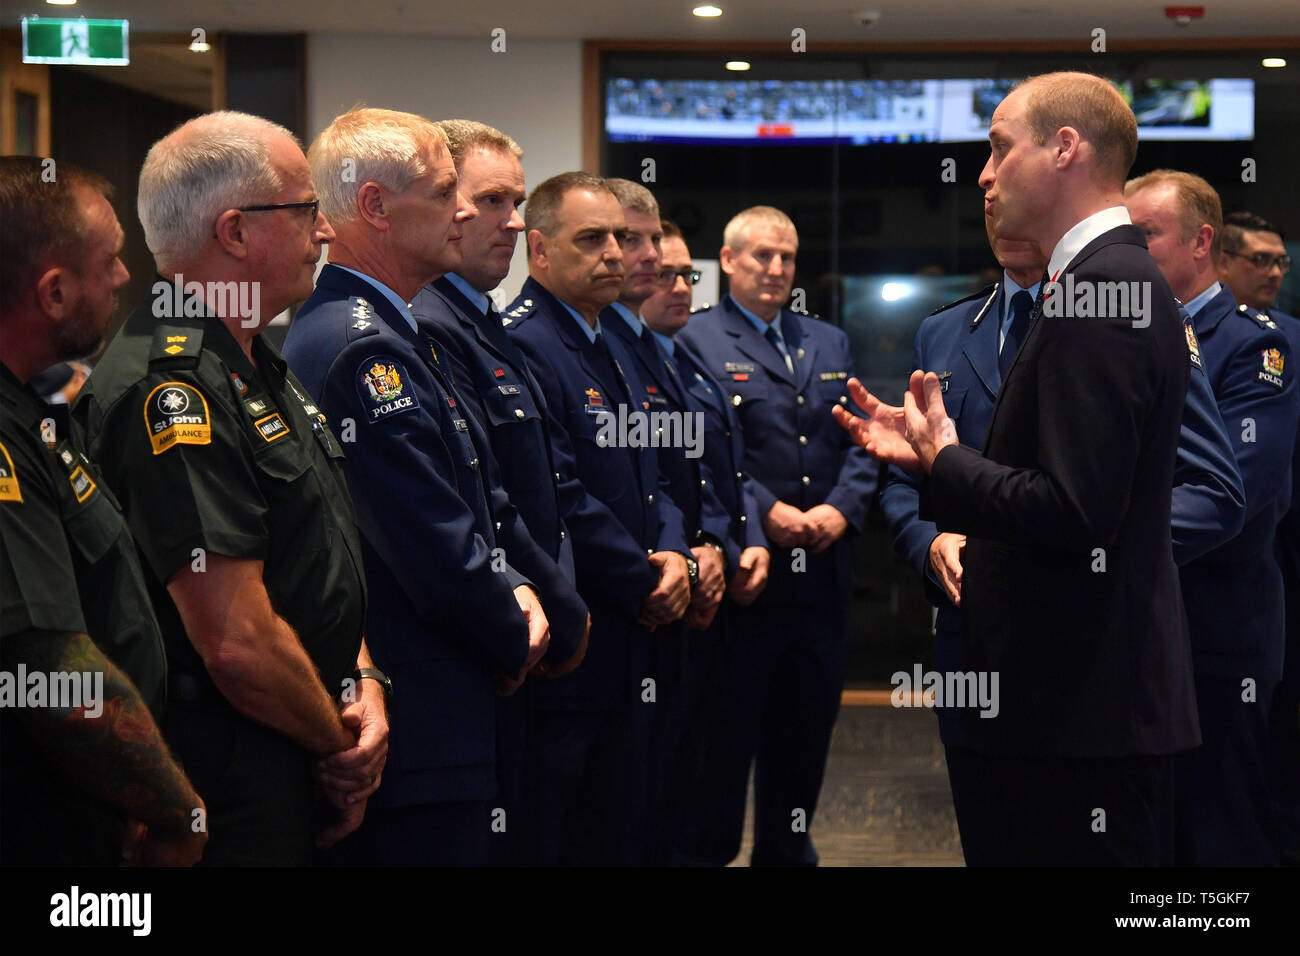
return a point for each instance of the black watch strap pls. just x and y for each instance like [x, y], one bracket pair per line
[375, 674]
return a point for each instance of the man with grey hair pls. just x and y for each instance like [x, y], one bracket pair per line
[231, 482]
[449, 611]
[785, 372]
[504, 402]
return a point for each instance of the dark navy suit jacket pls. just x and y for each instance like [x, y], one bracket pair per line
[442, 618]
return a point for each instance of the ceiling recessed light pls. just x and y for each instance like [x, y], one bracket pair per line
[1274, 61]
[200, 46]
[708, 10]
[738, 65]
[61, 3]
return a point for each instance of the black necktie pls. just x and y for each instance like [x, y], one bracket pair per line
[772, 337]
[1022, 303]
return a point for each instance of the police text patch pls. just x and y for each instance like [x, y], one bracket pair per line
[384, 389]
[1273, 364]
[9, 490]
[176, 414]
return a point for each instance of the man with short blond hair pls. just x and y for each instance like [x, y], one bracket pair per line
[450, 614]
[784, 372]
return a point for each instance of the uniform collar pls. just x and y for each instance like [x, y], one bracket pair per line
[1082, 233]
[589, 331]
[18, 396]
[476, 298]
[759, 325]
[633, 320]
[403, 308]
[1009, 288]
[1202, 300]
[665, 340]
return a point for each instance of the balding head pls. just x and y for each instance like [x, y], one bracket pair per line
[1090, 105]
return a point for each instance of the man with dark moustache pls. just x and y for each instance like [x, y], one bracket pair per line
[591, 763]
[231, 482]
[450, 615]
[86, 779]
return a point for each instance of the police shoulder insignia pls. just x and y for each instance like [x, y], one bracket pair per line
[1193, 346]
[1260, 317]
[9, 490]
[1273, 363]
[384, 389]
[177, 414]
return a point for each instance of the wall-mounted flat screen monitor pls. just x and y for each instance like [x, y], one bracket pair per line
[861, 112]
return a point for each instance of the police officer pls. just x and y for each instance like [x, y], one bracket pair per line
[1252, 263]
[694, 819]
[232, 485]
[72, 596]
[785, 372]
[971, 343]
[503, 401]
[1234, 593]
[449, 613]
[630, 550]
[675, 427]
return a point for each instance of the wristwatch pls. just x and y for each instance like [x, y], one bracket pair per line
[375, 674]
[692, 570]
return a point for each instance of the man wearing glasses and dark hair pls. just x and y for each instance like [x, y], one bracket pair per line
[1253, 260]
[231, 482]
[1253, 263]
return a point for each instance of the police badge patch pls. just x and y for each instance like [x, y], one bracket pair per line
[1273, 362]
[1193, 346]
[384, 391]
[176, 414]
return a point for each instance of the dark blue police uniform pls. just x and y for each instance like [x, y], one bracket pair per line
[1234, 595]
[504, 404]
[1284, 715]
[443, 618]
[788, 677]
[960, 342]
[592, 727]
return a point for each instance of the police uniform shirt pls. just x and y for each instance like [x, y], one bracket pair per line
[67, 564]
[210, 455]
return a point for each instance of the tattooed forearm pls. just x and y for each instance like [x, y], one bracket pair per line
[119, 754]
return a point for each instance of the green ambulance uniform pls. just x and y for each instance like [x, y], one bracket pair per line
[210, 455]
[67, 564]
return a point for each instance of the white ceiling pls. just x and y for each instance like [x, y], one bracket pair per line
[770, 20]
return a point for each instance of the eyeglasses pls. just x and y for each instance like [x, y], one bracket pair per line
[1265, 261]
[668, 277]
[312, 204]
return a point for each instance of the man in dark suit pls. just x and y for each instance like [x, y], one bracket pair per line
[592, 727]
[1070, 593]
[1234, 594]
[451, 617]
[504, 404]
[974, 340]
[784, 373]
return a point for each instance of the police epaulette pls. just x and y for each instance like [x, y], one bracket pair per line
[178, 343]
[982, 293]
[519, 313]
[1260, 317]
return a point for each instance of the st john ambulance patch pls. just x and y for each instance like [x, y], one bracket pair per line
[176, 414]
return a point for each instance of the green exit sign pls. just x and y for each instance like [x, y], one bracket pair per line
[77, 41]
